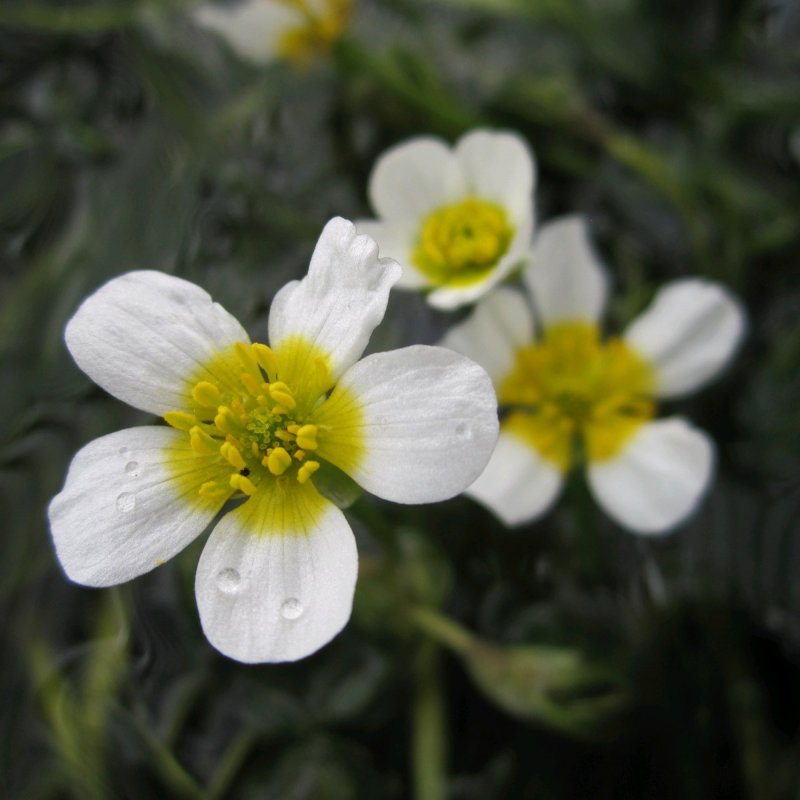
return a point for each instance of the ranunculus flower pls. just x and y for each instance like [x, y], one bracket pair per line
[458, 219]
[263, 31]
[276, 577]
[571, 398]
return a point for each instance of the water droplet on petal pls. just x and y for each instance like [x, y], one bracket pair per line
[463, 431]
[229, 580]
[133, 469]
[126, 502]
[123, 451]
[291, 608]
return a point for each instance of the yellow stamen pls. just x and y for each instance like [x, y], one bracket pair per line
[252, 427]
[323, 373]
[224, 420]
[307, 470]
[278, 461]
[211, 490]
[232, 455]
[243, 484]
[180, 420]
[206, 394]
[571, 395]
[307, 437]
[247, 357]
[250, 383]
[461, 243]
[266, 358]
[281, 394]
[202, 443]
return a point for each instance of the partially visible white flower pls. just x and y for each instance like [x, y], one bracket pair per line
[276, 578]
[263, 31]
[571, 398]
[458, 219]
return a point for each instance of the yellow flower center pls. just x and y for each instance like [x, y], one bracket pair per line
[459, 244]
[573, 396]
[257, 424]
[323, 23]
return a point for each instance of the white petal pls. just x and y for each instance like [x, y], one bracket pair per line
[499, 166]
[566, 279]
[518, 255]
[341, 300]
[130, 502]
[412, 179]
[142, 335]
[253, 29]
[658, 479]
[491, 335]
[428, 423]
[517, 484]
[689, 332]
[392, 243]
[276, 578]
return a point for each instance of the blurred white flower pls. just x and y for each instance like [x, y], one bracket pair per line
[459, 219]
[263, 31]
[570, 397]
[276, 577]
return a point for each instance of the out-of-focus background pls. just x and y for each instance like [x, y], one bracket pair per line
[480, 662]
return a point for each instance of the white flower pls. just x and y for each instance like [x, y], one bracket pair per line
[263, 31]
[276, 578]
[459, 220]
[569, 397]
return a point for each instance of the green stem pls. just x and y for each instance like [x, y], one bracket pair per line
[429, 755]
[588, 555]
[181, 784]
[230, 763]
[443, 630]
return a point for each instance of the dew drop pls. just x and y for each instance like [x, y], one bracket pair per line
[123, 451]
[133, 469]
[229, 580]
[126, 502]
[291, 608]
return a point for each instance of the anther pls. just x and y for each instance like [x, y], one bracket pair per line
[281, 394]
[278, 461]
[223, 420]
[201, 442]
[307, 437]
[250, 383]
[206, 394]
[243, 484]
[266, 358]
[180, 420]
[307, 470]
[323, 373]
[232, 455]
[211, 490]
[246, 356]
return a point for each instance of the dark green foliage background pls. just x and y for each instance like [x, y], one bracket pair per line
[627, 668]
